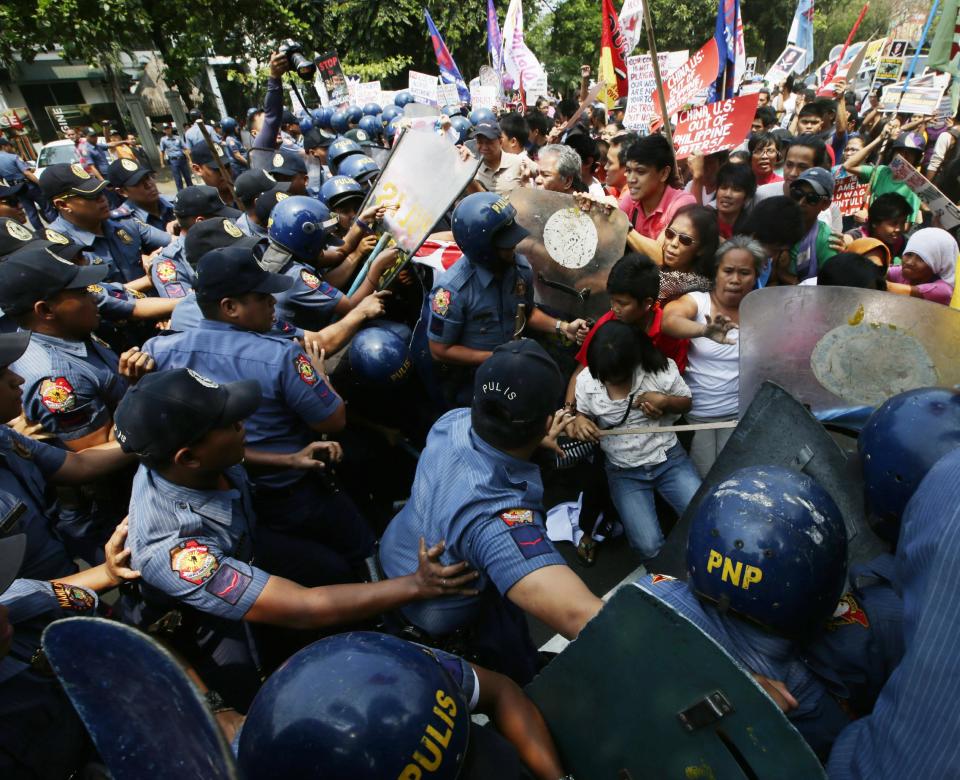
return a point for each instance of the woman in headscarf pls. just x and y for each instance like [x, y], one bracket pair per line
[873, 249]
[929, 266]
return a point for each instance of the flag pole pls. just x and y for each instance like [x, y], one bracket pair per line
[853, 31]
[655, 61]
[916, 54]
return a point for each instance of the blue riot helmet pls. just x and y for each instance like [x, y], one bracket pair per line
[338, 189]
[228, 124]
[342, 147]
[390, 113]
[898, 446]
[483, 223]
[479, 115]
[402, 98]
[359, 167]
[301, 226]
[359, 135]
[392, 129]
[770, 545]
[321, 117]
[401, 330]
[353, 115]
[380, 356]
[371, 109]
[371, 125]
[462, 126]
[339, 122]
[305, 122]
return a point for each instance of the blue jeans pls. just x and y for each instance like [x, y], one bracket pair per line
[632, 492]
[180, 169]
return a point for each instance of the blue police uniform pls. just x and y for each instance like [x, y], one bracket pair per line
[174, 152]
[310, 302]
[12, 169]
[188, 316]
[249, 227]
[171, 274]
[121, 245]
[25, 465]
[96, 155]
[194, 136]
[818, 717]
[40, 733]
[488, 506]
[232, 144]
[115, 302]
[130, 210]
[913, 730]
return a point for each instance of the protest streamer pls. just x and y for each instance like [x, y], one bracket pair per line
[853, 31]
[689, 80]
[631, 24]
[613, 68]
[945, 212]
[715, 126]
[494, 39]
[850, 195]
[801, 33]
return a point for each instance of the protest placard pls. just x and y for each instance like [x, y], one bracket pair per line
[642, 84]
[683, 85]
[850, 195]
[483, 96]
[874, 53]
[752, 88]
[353, 88]
[448, 95]
[785, 64]
[751, 69]
[423, 87]
[331, 73]
[889, 68]
[535, 89]
[368, 92]
[714, 127]
[923, 99]
[939, 204]
[898, 49]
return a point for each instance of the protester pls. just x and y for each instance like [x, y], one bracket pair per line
[888, 219]
[736, 187]
[560, 168]
[764, 151]
[929, 267]
[649, 201]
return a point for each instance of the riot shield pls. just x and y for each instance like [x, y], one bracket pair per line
[571, 252]
[145, 717]
[644, 693]
[776, 430]
[839, 347]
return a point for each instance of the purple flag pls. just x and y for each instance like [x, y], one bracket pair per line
[449, 71]
[494, 41]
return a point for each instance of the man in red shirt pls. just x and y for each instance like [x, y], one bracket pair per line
[649, 200]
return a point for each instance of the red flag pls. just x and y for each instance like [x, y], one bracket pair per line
[612, 41]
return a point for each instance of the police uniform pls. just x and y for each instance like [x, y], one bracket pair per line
[194, 135]
[232, 144]
[130, 210]
[40, 733]
[488, 506]
[250, 227]
[121, 245]
[96, 155]
[188, 316]
[12, 169]
[310, 302]
[171, 274]
[174, 151]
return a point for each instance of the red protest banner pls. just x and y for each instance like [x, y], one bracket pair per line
[714, 127]
[850, 195]
[690, 79]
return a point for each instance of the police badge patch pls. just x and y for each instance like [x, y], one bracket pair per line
[129, 165]
[58, 395]
[72, 598]
[56, 238]
[193, 562]
[79, 172]
[124, 236]
[231, 229]
[167, 271]
[277, 160]
[305, 370]
[311, 280]
[514, 517]
[440, 303]
[18, 231]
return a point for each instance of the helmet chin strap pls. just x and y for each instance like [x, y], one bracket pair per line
[274, 259]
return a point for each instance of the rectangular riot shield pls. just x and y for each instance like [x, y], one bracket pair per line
[644, 693]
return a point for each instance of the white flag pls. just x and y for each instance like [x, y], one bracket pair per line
[518, 60]
[631, 24]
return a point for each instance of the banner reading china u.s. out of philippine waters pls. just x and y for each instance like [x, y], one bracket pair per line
[714, 127]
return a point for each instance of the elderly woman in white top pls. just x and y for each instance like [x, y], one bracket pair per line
[711, 320]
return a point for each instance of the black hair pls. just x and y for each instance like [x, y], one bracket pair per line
[567, 107]
[815, 143]
[827, 105]
[762, 139]
[513, 125]
[739, 157]
[616, 350]
[493, 423]
[624, 141]
[811, 109]
[708, 233]
[585, 146]
[652, 150]
[739, 177]
[635, 275]
[848, 269]
[777, 220]
[763, 91]
[537, 120]
[890, 205]
[767, 115]
[209, 309]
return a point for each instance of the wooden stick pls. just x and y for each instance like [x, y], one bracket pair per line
[669, 428]
[224, 169]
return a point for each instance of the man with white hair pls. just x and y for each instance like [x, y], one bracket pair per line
[559, 168]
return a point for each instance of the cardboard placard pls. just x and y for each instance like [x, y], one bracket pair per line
[889, 68]
[917, 99]
[786, 63]
[331, 73]
[369, 92]
[642, 85]
[850, 195]
[683, 85]
[898, 49]
[536, 89]
[483, 96]
[941, 206]
[751, 69]
[714, 127]
[423, 87]
[448, 95]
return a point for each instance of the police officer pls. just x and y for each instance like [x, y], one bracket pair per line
[290, 135]
[84, 219]
[769, 599]
[28, 470]
[10, 205]
[142, 200]
[193, 135]
[265, 204]
[290, 166]
[235, 149]
[476, 487]
[94, 154]
[343, 196]
[173, 152]
[316, 145]
[210, 170]
[16, 172]
[249, 186]
[475, 305]
[193, 532]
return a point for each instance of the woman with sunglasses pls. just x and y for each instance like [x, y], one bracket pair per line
[765, 150]
[683, 252]
[711, 321]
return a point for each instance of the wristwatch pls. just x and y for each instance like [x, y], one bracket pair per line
[560, 327]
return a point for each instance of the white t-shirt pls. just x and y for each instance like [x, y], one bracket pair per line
[831, 216]
[632, 450]
[713, 370]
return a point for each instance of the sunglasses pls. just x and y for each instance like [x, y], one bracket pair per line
[811, 198]
[685, 240]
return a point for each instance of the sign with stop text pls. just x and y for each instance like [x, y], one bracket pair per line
[684, 84]
[714, 127]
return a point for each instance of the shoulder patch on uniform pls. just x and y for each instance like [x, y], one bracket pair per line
[848, 613]
[440, 302]
[514, 517]
[167, 271]
[96, 289]
[58, 395]
[305, 369]
[311, 280]
[531, 540]
[193, 562]
[136, 294]
[655, 578]
[124, 236]
[229, 584]
[55, 237]
[72, 598]
[18, 231]
[231, 229]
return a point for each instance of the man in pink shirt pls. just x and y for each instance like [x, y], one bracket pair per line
[649, 200]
